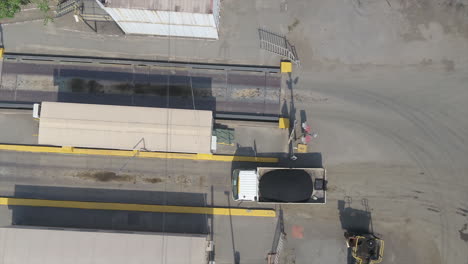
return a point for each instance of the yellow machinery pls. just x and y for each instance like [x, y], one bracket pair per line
[366, 249]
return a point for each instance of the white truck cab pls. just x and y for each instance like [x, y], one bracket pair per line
[245, 185]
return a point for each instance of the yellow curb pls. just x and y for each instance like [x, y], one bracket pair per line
[135, 153]
[138, 207]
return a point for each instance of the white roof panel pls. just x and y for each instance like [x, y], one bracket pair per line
[191, 6]
[164, 23]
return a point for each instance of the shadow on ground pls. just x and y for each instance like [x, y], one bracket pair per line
[354, 221]
[106, 219]
[135, 88]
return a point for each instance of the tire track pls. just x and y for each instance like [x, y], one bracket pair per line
[422, 155]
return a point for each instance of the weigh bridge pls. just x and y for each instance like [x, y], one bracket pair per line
[228, 89]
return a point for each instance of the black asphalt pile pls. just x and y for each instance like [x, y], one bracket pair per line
[289, 186]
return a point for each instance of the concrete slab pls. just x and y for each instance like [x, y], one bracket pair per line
[254, 138]
[22, 127]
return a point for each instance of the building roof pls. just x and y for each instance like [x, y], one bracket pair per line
[125, 127]
[189, 6]
[52, 246]
[164, 23]
[178, 18]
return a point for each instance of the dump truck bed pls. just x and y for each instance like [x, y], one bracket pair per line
[297, 185]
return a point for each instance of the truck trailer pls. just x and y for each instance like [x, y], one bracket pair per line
[280, 185]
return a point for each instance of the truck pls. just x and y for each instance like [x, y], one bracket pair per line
[280, 185]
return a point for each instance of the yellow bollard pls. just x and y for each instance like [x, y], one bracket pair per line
[301, 148]
[286, 66]
[283, 122]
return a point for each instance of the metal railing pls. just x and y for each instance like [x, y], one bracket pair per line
[278, 44]
[279, 248]
[67, 7]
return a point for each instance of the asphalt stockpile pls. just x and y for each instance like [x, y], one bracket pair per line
[288, 186]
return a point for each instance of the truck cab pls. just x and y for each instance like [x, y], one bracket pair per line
[245, 185]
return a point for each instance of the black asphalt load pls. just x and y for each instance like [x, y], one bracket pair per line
[289, 186]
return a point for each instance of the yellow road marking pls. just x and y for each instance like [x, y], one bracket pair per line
[138, 207]
[227, 144]
[135, 153]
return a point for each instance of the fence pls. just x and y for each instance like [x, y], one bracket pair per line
[278, 44]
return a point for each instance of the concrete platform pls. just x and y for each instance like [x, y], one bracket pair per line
[261, 139]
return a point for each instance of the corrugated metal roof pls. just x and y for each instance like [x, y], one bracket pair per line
[34, 245]
[248, 185]
[189, 6]
[125, 127]
[164, 23]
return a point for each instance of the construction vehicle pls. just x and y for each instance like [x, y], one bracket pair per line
[365, 248]
[280, 185]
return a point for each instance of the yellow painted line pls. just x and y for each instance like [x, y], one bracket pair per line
[138, 207]
[135, 153]
[227, 144]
